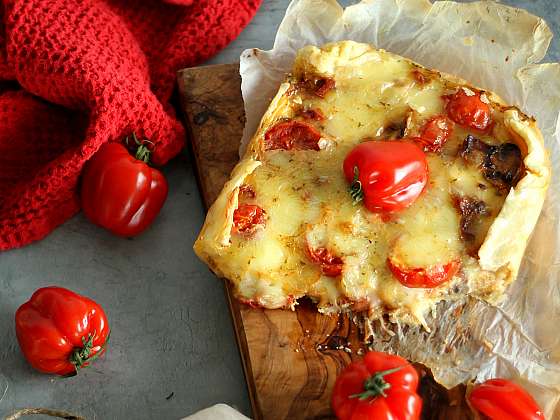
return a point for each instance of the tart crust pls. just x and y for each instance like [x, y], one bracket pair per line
[488, 274]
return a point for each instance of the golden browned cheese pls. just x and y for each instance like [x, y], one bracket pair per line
[377, 95]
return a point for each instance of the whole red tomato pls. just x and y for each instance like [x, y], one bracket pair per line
[500, 399]
[120, 192]
[60, 331]
[388, 175]
[379, 387]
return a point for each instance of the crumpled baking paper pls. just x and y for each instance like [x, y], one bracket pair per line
[495, 47]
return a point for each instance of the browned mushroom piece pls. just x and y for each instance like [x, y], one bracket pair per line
[473, 225]
[501, 165]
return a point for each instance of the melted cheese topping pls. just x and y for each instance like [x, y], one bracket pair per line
[306, 197]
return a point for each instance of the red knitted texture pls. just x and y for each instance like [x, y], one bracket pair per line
[75, 74]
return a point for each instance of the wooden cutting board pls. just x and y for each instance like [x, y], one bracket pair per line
[290, 358]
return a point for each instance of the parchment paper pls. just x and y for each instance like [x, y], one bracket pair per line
[495, 47]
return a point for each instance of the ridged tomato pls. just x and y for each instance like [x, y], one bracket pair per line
[379, 387]
[60, 331]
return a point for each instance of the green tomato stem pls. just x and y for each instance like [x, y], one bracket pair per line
[376, 385]
[81, 356]
[356, 190]
[143, 152]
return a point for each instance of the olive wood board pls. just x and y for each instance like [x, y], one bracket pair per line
[290, 358]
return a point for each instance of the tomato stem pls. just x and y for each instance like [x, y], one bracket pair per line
[376, 384]
[356, 190]
[81, 356]
[143, 152]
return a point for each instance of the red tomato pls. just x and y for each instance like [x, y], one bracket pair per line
[253, 303]
[246, 191]
[379, 387]
[313, 114]
[121, 193]
[247, 218]
[466, 108]
[435, 133]
[60, 331]
[331, 265]
[424, 277]
[500, 399]
[323, 86]
[290, 135]
[388, 175]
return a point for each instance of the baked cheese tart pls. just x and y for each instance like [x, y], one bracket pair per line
[378, 186]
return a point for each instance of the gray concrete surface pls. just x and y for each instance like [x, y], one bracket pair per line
[172, 347]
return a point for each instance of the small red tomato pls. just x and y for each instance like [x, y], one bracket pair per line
[388, 175]
[60, 331]
[323, 86]
[435, 133]
[423, 277]
[331, 266]
[247, 218]
[466, 108]
[121, 193]
[313, 114]
[500, 399]
[290, 135]
[381, 387]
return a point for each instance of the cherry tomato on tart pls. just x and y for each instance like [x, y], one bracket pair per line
[247, 218]
[501, 399]
[428, 277]
[60, 331]
[379, 387]
[435, 133]
[469, 108]
[330, 264]
[387, 175]
[290, 135]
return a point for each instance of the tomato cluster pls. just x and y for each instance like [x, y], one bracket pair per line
[389, 176]
[382, 386]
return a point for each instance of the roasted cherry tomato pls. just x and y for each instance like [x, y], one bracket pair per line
[500, 399]
[247, 218]
[60, 331]
[120, 192]
[290, 135]
[387, 175]
[424, 277]
[323, 85]
[435, 133]
[319, 86]
[331, 265]
[379, 387]
[466, 108]
[313, 114]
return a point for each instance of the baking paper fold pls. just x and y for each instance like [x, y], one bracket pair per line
[495, 47]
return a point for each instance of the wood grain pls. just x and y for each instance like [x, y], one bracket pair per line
[290, 358]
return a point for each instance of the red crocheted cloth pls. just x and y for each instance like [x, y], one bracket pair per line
[75, 74]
